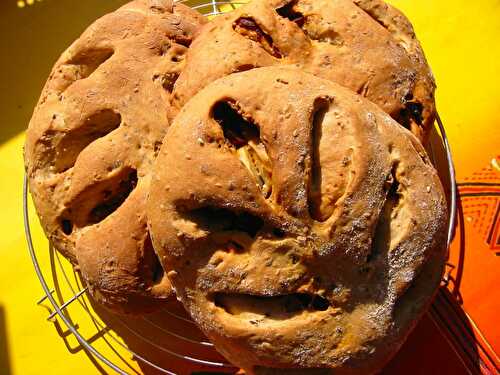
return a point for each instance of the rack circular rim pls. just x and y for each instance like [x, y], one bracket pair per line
[58, 310]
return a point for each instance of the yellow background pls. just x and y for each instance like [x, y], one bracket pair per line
[461, 39]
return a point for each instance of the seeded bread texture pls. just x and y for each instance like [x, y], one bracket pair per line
[91, 142]
[365, 45]
[301, 227]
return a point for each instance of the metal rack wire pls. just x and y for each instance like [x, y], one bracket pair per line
[206, 359]
[79, 296]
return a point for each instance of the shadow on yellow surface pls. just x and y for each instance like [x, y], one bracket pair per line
[4, 345]
[31, 40]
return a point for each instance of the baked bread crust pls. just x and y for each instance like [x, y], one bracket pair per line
[299, 224]
[365, 45]
[91, 142]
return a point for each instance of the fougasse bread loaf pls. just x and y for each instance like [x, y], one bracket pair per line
[300, 225]
[365, 45]
[91, 142]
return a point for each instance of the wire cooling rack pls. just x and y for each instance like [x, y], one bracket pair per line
[167, 342]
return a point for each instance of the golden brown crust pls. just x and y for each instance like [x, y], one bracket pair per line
[365, 45]
[91, 142]
[299, 224]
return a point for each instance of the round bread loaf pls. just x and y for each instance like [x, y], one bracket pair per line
[91, 141]
[299, 224]
[365, 45]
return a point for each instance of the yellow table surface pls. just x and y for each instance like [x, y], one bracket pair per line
[461, 39]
